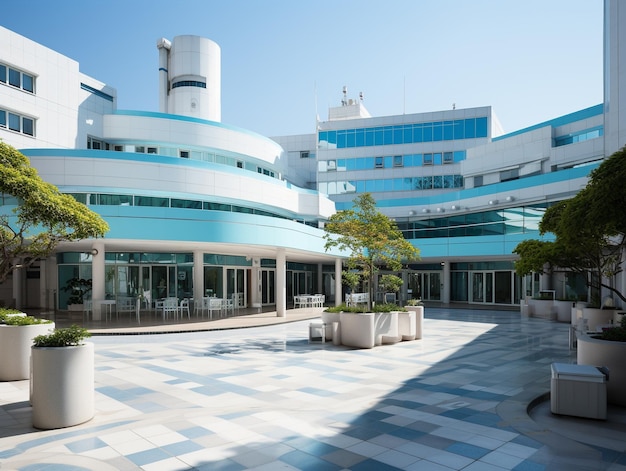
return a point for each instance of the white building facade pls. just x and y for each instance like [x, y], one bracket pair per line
[199, 207]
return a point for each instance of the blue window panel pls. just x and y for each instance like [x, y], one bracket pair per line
[3, 119]
[427, 183]
[448, 131]
[428, 133]
[459, 129]
[407, 134]
[458, 181]
[379, 185]
[369, 137]
[369, 186]
[341, 139]
[14, 78]
[438, 181]
[437, 158]
[360, 164]
[437, 131]
[388, 184]
[322, 187]
[397, 184]
[360, 186]
[379, 137]
[398, 135]
[408, 160]
[351, 186]
[341, 165]
[28, 126]
[459, 155]
[388, 161]
[481, 127]
[418, 133]
[388, 135]
[369, 162]
[14, 122]
[350, 138]
[359, 137]
[351, 164]
[322, 136]
[448, 181]
[407, 183]
[3, 73]
[27, 83]
[470, 128]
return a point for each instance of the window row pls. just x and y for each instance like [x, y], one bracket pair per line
[17, 123]
[98, 144]
[391, 184]
[391, 161]
[163, 202]
[579, 136]
[510, 221]
[189, 83]
[17, 78]
[404, 133]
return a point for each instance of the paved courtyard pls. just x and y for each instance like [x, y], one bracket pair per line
[264, 398]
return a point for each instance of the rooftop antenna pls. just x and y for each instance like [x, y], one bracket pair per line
[361, 96]
[344, 102]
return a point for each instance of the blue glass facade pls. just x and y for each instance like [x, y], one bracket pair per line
[405, 133]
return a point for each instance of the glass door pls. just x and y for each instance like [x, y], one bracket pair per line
[268, 287]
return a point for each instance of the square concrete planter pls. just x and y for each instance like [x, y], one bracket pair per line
[357, 329]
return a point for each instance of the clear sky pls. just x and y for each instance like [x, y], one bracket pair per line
[284, 61]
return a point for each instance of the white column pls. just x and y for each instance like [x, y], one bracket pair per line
[445, 283]
[97, 277]
[198, 276]
[18, 283]
[281, 284]
[338, 293]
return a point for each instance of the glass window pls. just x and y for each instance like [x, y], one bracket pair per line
[428, 133]
[359, 136]
[448, 157]
[408, 134]
[437, 158]
[14, 122]
[448, 133]
[417, 133]
[388, 135]
[388, 161]
[437, 131]
[369, 137]
[438, 181]
[428, 159]
[341, 139]
[481, 127]
[379, 162]
[188, 204]
[350, 138]
[3, 73]
[184, 154]
[459, 129]
[398, 135]
[28, 126]
[378, 136]
[478, 181]
[470, 128]
[3, 119]
[28, 83]
[151, 201]
[14, 78]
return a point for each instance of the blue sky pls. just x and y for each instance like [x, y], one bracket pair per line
[283, 61]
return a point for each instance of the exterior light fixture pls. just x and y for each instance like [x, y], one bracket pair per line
[493, 202]
[94, 252]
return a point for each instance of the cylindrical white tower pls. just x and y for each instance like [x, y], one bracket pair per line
[194, 73]
[164, 46]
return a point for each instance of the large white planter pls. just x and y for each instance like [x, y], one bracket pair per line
[329, 318]
[597, 317]
[62, 385]
[15, 344]
[541, 308]
[563, 310]
[386, 328]
[419, 321]
[607, 353]
[357, 329]
[407, 324]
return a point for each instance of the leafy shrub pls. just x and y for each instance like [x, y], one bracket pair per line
[357, 309]
[67, 337]
[6, 313]
[25, 320]
[616, 334]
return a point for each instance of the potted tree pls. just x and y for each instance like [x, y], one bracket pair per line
[78, 289]
[590, 238]
[17, 332]
[373, 241]
[62, 378]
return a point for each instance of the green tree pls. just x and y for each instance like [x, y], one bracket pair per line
[372, 239]
[590, 230]
[43, 217]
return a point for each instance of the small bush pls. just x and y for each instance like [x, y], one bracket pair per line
[357, 309]
[67, 337]
[6, 313]
[25, 320]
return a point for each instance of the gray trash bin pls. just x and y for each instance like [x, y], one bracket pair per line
[578, 390]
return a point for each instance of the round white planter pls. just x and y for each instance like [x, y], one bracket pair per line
[419, 321]
[328, 318]
[15, 344]
[62, 385]
[597, 317]
[357, 329]
[607, 353]
[386, 328]
[563, 310]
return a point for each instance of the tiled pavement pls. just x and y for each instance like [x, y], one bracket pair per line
[265, 398]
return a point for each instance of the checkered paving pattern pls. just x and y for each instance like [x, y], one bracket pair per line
[267, 399]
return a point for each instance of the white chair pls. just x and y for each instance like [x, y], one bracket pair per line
[146, 300]
[184, 306]
[228, 305]
[238, 301]
[214, 305]
[298, 302]
[167, 306]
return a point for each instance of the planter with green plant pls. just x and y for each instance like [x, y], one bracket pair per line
[79, 289]
[62, 381]
[17, 331]
[411, 323]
